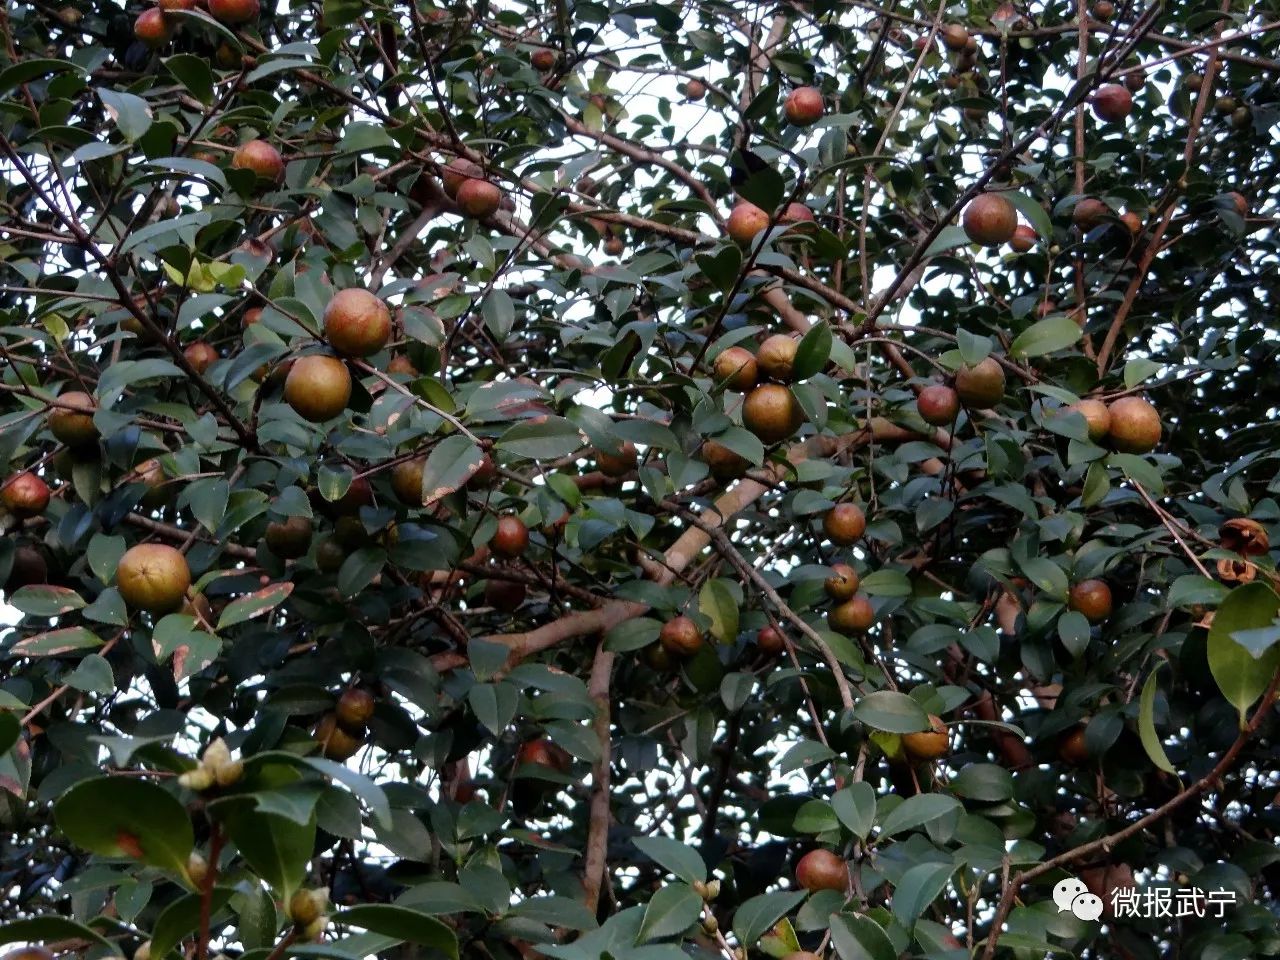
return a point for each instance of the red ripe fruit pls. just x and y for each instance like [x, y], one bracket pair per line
[804, 107]
[1112, 103]
[511, 539]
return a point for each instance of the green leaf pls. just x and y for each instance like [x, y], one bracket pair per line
[736, 690]
[719, 604]
[1073, 630]
[632, 634]
[1096, 485]
[193, 73]
[402, 923]
[951, 237]
[494, 704]
[544, 440]
[988, 782]
[918, 888]
[816, 816]
[55, 643]
[46, 600]
[339, 13]
[28, 69]
[1045, 336]
[916, 811]
[1240, 675]
[670, 911]
[127, 817]
[50, 929]
[759, 913]
[1147, 723]
[681, 859]
[891, 712]
[1138, 370]
[721, 267]
[451, 463]
[275, 847]
[93, 674]
[855, 805]
[555, 911]
[858, 937]
[374, 797]
[181, 918]
[359, 569]
[10, 730]
[887, 583]
[130, 112]
[255, 604]
[813, 352]
[1193, 588]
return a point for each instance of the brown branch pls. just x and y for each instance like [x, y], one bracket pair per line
[595, 865]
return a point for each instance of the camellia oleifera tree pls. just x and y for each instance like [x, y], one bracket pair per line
[643, 480]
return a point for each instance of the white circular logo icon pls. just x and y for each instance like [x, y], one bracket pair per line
[1072, 896]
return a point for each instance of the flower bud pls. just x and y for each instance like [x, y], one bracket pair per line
[216, 754]
[315, 929]
[199, 779]
[229, 773]
[710, 926]
[713, 890]
[197, 870]
[307, 906]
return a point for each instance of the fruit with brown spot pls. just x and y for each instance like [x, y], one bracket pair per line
[1135, 425]
[1091, 598]
[234, 11]
[505, 596]
[1096, 415]
[724, 463]
[153, 577]
[335, 742]
[152, 29]
[769, 641]
[796, 213]
[617, 464]
[736, 368]
[543, 753]
[746, 220]
[852, 617]
[201, 356]
[479, 199]
[25, 495]
[681, 636]
[1072, 748]
[1112, 103]
[356, 323]
[457, 172]
[990, 219]
[844, 524]
[317, 387]
[1089, 212]
[543, 59]
[843, 582]
[260, 157]
[406, 480]
[938, 405]
[777, 356]
[290, 538]
[72, 420]
[822, 870]
[511, 538]
[1024, 238]
[771, 412]
[982, 385]
[804, 106]
[927, 744]
[955, 36]
[355, 708]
